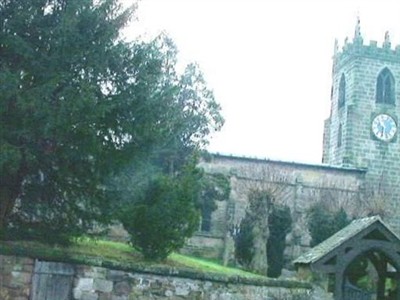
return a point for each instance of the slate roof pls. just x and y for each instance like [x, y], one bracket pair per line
[282, 162]
[338, 239]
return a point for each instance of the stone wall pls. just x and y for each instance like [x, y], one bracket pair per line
[26, 278]
[296, 185]
[15, 277]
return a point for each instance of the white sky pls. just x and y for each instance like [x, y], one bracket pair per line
[268, 63]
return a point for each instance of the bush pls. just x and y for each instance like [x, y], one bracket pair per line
[322, 224]
[279, 224]
[244, 242]
[159, 223]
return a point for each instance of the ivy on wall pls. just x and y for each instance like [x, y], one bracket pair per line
[214, 187]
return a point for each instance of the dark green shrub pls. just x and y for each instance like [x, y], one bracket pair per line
[279, 224]
[322, 223]
[159, 223]
[243, 237]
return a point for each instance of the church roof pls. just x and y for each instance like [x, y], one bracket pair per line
[283, 162]
[354, 228]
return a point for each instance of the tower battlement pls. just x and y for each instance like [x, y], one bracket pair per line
[356, 48]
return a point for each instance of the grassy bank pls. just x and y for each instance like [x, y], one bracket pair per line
[117, 255]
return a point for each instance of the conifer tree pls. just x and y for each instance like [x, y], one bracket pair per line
[78, 105]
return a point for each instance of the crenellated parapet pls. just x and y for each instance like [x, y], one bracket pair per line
[356, 48]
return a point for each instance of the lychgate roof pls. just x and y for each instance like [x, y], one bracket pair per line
[367, 238]
[352, 230]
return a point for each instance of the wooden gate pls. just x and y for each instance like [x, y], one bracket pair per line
[52, 281]
[353, 293]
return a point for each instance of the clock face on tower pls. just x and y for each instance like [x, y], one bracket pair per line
[384, 127]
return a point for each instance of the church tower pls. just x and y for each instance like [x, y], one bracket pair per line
[362, 130]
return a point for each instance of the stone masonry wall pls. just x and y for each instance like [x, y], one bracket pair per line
[15, 277]
[296, 185]
[97, 283]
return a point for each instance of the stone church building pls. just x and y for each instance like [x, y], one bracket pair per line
[360, 167]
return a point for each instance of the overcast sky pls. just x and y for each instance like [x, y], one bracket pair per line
[268, 63]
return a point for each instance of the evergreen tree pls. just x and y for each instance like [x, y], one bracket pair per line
[244, 242]
[322, 223]
[78, 105]
[165, 214]
[280, 224]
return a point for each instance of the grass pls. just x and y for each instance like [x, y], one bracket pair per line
[203, 265]
[99, 252]
[121, 256]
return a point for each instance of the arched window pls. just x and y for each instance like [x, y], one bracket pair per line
[385, 87]
[342, 91]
